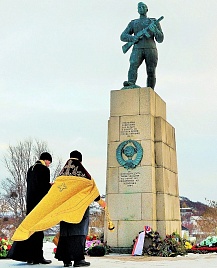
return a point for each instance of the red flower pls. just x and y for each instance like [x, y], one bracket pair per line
[54, 250]
[9, 247]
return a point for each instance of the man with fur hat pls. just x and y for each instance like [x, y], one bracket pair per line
[71, 245]
[38, 184]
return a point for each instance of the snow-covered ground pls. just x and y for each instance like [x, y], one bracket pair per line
[127, 261]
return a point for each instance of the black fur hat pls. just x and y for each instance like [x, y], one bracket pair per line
[76, 154]
[46, 156]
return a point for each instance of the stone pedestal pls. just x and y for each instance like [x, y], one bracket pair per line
[147, 194]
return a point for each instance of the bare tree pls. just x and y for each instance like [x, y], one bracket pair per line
[97, 218]
[17, 162]
[207, 222]
[3, 207]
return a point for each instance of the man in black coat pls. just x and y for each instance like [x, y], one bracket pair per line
[71, 245]
[38, 184]
[38, 181]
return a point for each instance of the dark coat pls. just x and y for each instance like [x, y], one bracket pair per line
[38, 184]
[71, 245]
[74, 167]
[81, 228]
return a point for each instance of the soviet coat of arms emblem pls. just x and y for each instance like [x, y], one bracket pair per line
[129, 154]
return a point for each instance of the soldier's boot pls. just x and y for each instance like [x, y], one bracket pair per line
[151, 81]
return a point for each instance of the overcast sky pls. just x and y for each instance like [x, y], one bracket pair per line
[60, 59]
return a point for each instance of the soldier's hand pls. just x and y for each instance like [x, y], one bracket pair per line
[136, 39]
[153, 28]
[102, 203]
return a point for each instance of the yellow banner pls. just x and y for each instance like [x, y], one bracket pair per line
[67, 200]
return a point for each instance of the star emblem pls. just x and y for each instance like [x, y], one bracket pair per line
[62, 187]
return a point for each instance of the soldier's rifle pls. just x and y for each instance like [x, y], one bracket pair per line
[140, 34]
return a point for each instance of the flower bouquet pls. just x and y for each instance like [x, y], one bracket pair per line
[5, 246]
[95, 247]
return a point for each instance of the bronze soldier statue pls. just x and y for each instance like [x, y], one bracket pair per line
[142, 33]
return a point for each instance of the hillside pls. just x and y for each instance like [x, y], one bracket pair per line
[197, 207]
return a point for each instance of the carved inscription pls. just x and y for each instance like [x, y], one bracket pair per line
[129, 128]
[129, 178]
